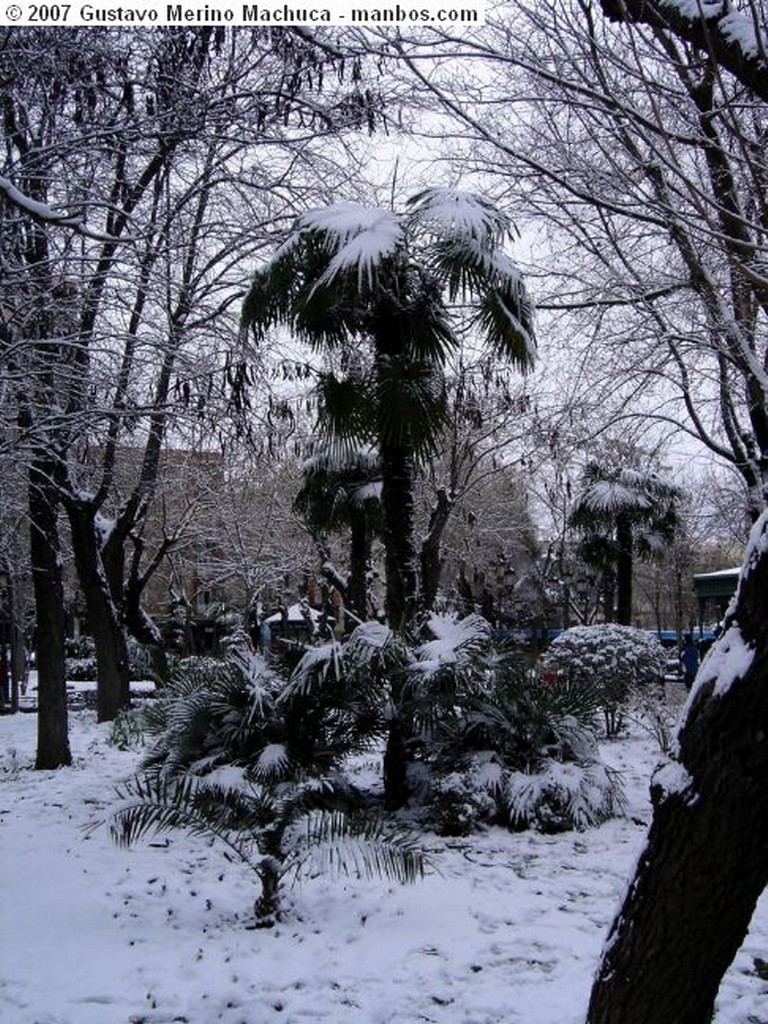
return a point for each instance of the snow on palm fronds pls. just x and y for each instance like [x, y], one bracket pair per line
[373, 648]
[607, 492]
[358, 237]
[274, 827]
[609, 495]
[457, 643]
[447, 211]
[361, 846]
[561, 795]
[211, 713]
[337, 455]
[317, 665]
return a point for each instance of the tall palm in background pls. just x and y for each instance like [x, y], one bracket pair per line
[342, 490]
[622, 513]
[400, 287]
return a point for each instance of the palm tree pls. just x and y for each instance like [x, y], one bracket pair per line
[342, 489]
[398, 285]
[623, 513]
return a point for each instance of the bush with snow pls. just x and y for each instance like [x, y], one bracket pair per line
[497, 745]
[612, 660]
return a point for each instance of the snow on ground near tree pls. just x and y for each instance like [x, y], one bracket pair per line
[508, 928]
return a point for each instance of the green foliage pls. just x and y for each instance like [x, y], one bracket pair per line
[240, 756]
[481, 722]
[612, 661]
[277, 826]
[503, 746]
[80, 665]
[126, 731]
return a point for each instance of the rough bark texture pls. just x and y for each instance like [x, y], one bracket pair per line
[400, 602]
[400, 551]
[431, 561]
[705, 862]
[104, 620]
[52, 735]
[359, 557]
[623, 569]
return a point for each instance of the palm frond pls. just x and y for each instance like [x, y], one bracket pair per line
[152, 804]
[271, 764]
[411, 405]
[506, 320]
[348, 410]
[343, 844]
[317, 665]
[454, 213]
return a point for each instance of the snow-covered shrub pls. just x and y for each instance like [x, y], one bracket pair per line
[497, 743]
[241, 757]
[80, 664]
[613, 660]
[457, 806]
[278, 825]
[139, 660]
[211, 713]
[561, 795]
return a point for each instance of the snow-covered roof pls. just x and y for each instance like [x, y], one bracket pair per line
[296, 613]
[719, 575]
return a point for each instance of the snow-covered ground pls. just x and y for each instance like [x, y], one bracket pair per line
[505, 928]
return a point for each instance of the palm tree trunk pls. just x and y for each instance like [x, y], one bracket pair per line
[399, 547]
[400, 602]
[359, 556]
[623, 570]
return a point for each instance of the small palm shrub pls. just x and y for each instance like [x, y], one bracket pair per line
[614, 661]
[238, 755]
[485, 734]
[126, 731]
[276, 822]
[510, 750]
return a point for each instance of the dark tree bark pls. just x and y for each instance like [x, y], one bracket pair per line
[400, 601]
[105, 619]
[431, 562]
[624, 555]
[399, 547]
[45, 557]
[705, 861]
[359, 558]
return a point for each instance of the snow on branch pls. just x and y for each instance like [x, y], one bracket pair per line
[44, 214]
[732, 37]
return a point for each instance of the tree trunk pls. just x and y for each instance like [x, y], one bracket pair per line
[105, 618]
[45, 558]
[359, 557]
[400, 601]
[623, 570]
[705, 861]
[399, 547]
[431, 562]
[18, 661]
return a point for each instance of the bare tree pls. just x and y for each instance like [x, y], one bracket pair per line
[183, 151]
